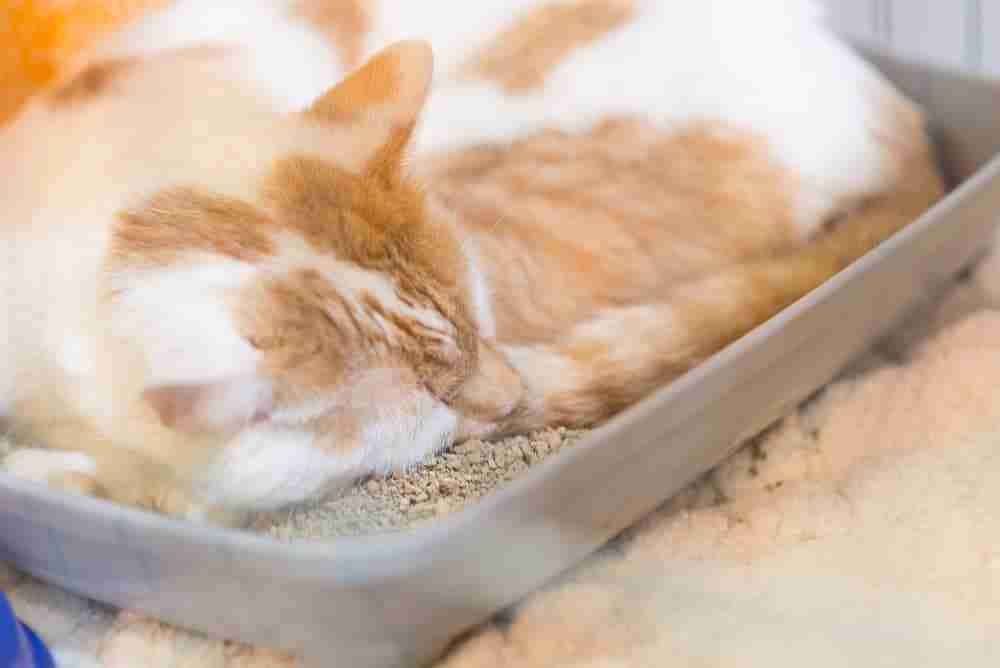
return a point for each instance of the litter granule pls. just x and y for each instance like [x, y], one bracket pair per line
[440, 485]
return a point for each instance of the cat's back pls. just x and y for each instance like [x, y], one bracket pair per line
[115, 125]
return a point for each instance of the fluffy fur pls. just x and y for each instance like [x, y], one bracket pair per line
[262, 286]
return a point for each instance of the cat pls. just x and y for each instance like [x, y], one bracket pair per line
[232, 286]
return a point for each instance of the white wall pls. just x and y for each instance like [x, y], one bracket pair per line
[951, 32]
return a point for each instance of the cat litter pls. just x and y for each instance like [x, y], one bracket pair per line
[442, 484]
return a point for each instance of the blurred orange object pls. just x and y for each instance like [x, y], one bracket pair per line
[40, 38]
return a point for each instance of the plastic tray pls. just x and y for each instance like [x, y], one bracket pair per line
[398, 599]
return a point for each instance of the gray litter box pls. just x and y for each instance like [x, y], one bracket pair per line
[398, 599]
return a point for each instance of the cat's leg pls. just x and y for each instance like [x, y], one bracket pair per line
[609, 362]
[69, 471]
[600, 367]
[65, 455]
[120, 476]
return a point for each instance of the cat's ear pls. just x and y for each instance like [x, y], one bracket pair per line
[383, 99]
[390, 87]
[493, 390]
[220, 406]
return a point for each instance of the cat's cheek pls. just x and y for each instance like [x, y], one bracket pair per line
[268, 467]
[271, 465]
[408, 434]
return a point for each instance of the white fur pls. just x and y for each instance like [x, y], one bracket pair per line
[269, 467]
[406, 432]
[454, 29]
[39, 465]
[63, 179]
[478, 285]
[169, 313]
[480, 290]
[281, 462]
[769, 66]
[352, 282]
[68, 658]
[289, 59]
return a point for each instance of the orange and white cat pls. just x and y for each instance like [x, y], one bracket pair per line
[229, 284]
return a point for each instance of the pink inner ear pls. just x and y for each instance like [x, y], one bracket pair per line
[172, 402]
[214, 407]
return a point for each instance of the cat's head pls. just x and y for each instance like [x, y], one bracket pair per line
[327, 326]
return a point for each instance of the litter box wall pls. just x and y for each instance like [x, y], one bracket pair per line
[960, 33]
[397, 600]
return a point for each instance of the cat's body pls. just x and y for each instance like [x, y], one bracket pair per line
[214, 301]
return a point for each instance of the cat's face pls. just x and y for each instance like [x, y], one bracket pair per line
[339, 328]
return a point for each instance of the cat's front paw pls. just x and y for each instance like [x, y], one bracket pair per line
[166, 499]
[181, 506]
[73, 472]
[469, 428]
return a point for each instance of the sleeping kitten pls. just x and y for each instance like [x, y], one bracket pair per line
[229, 289]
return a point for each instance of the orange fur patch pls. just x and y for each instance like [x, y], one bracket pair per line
[305, 330]
[383, 226]
[362, 90]
[637, 349]
[336, 211]
[91, 81]
[383, 98]
[569, 224]
[494, 390]
[309, 334]
[520, 57]
[177, 221]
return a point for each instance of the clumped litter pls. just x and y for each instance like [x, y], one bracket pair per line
[442, 484]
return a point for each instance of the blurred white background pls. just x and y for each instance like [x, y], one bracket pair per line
[963, 33]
